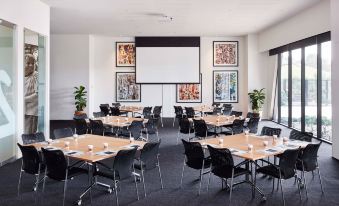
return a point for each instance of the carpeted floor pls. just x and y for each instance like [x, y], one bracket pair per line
[171, 161]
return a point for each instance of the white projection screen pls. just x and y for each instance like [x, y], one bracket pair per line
[167, 60]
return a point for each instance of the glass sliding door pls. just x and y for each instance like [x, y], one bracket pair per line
[296, 89]
[284, 88]
[7, 93]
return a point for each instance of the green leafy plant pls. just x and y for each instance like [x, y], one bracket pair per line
[80, 98]
[257, 98]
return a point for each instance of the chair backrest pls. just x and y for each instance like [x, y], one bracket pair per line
[238, 126]
[96, 127]
[115, 111]
[30, 159]
[80, 126]
[227, 110]
[116, 104]
[200, 128]
[252, 124]
[215, 104]
[56, 164]
[194, 154]
[104, 109]
[227, 105]
[236, 113]
[184, 125]
[98, 114]
[135, 129]
[147, 112]
[178, 111]
[309, 156]
[149, 154]
[270, 131]
[303, 136]
[217, 110]
[152, 124]
[250, 115]
[221, 158]
[157, 111]
[287, 161]
[63, 132]
[123, 162]
[33, 138]
[189, 112]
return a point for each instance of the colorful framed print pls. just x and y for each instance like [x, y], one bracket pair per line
[225, 86]
[126, 88]
[125, 54]
[225, 53]
[189, 93]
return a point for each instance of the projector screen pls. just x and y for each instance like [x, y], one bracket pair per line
[167, 60]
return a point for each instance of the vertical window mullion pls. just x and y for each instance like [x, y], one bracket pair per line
[279, 87]
[289, 88]
[319, 90]
[303, 89]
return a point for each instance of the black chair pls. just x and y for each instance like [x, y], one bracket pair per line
[250, 115]
[215, 104]
[115, 111]
[104, 109]
[58, 168]
[33, 138]
[216, 110]
[308, 162]
[179, 113]
[31, 164]
[270, 131]
[146, 113]
[151, 127]
[98, 114]
[63, 132]
[227, 110]
[116, 104]
[195, 159]
[236, 113]
[201, 130]
[98, 128]
[149, 159]
[237, 127]
[302, 136]
[134, 130]
[227, 105]
[185, 127]
[157, 113]
[286, 169]
[81, 126]
[223, 166]
[120, 170]
[189, 112]
[252, 125]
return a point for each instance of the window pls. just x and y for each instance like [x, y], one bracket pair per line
[303, 99]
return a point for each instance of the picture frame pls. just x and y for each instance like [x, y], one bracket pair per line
[189, 93]
[225, 86]
[126, 90]
[125, 54]
[225, 53]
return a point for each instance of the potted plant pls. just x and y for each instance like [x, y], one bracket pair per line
[80, 100]
[257, 98]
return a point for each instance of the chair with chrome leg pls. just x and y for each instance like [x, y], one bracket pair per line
[149, 159]
[33, 138]
[81, 126]
[62, 132]
[179, 113]
[201, 130]
[31, 164]
[97, 127]
[104, 108]
[151, 127]
[223, 166]
[308, 162]
[134, 130]
[195, 159]
[185, 128]
[252, 125]
[58, 168]
[302, 136]
[122, 169]
[236, 113]
[286, 169]
[236, 128]
[157, 113]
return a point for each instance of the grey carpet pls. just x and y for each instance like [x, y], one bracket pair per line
[171, 161]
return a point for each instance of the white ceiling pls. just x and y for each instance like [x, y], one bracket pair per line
[190, 17]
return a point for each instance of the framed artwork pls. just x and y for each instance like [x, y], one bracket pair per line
[189, 93]
[225, 86]
[126, 88]
[225, 53]
[125, 54]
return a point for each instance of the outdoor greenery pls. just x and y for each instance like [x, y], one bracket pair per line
[257, 98]
[80, 98]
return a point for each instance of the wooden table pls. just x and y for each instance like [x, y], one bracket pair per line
[118, 121]
[218, 121]
[131, 109]
[203, 109]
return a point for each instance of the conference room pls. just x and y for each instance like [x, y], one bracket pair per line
[169, 102]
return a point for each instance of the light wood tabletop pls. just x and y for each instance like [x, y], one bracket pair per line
[118, 121]
[131, 108]
[203, 108]
[218, 121]
[78, 146]
[239, 145]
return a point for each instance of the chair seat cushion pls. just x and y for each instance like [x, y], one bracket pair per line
[226, 171]
[198, 164]
[274, 172]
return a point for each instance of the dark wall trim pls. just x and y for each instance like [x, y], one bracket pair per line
[167, 41]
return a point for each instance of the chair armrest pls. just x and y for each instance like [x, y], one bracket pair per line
[241, 163]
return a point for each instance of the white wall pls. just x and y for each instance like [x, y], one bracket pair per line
[69, 68]
[310, 22]
[335, 76]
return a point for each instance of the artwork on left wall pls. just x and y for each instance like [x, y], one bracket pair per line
[125, 54]
[189, 93]
[225, 86]
[126, 88]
